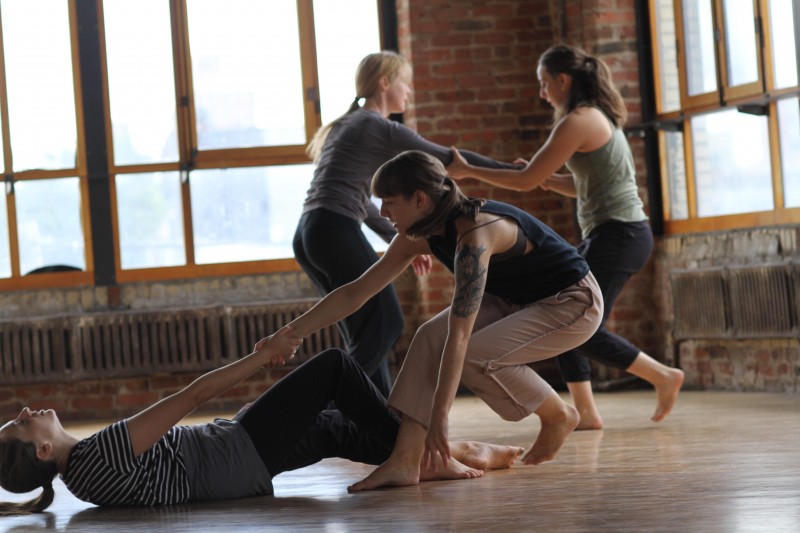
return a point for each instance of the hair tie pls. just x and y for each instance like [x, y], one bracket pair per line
[356, 99]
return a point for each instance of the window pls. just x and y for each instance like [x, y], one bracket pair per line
[727, 92]
[208, 107]
[44, 213]
[209, 165]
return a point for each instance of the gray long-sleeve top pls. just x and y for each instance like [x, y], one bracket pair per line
[355, 148]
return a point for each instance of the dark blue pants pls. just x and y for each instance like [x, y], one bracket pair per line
[615, 251]
[333, 251]
[291, 425]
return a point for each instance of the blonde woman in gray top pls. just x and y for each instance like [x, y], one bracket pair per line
[329, 244]
[587, 137]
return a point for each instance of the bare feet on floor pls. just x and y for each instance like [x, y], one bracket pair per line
[667, 393]
[555, 430]
[395, 473]
[485, 456]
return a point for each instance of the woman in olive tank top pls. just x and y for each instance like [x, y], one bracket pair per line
[587, 137]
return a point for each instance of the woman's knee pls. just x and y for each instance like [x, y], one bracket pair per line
[330, 358]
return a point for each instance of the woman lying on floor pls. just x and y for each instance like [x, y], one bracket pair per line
[147, 460]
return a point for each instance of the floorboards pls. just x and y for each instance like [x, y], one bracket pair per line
[722, 462]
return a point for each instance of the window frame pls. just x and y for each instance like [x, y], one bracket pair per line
[190, 157]
[18, 281]
[757, 98]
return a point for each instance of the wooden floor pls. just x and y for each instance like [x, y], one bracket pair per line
[722, 462]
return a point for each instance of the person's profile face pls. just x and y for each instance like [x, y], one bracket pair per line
[400, 211]
[30, 426]
[553, 89]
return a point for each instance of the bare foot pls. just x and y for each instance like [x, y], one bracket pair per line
[395, 473]
[392, 473]
[555, 430]
[454, 470]
[589, 421]
[484, 456]
[667, 393]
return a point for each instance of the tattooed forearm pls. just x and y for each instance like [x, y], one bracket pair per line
[470, 280]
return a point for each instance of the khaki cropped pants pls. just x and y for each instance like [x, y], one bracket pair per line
[505, 339]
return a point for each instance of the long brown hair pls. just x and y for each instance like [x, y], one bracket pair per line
[413, 171]
[368, 76]
[591, 82]
[20, 472]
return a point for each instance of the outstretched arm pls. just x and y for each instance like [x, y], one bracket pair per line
[568, 136]
[151, 424]
[350, 297]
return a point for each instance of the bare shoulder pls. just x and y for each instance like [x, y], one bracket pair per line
[590, 125]
[491, 232]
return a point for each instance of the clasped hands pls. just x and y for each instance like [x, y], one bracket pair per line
[281, 344]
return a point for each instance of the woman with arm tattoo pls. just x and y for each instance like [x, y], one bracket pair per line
[522, 294]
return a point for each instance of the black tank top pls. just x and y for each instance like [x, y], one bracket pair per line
[551, 266]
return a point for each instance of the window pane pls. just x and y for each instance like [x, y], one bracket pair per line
[150, 220]
[245, 214]
[246, 73]
[740, 41]
[667, 55]
[789, 128]
[676, 175]
[338, 52]
[731, 163]
[41, 98]
[49, 223]
[141, 81]
[784, 51]
[5, 251]
[698, 27]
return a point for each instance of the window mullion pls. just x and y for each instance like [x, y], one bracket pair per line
[187, 136]
[691, 185]
[8, 183]
[775, 157]
[308, 55]
[11, 210]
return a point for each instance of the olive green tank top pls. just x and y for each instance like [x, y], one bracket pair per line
[605, 180]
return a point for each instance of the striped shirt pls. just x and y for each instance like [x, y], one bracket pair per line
[102, 470]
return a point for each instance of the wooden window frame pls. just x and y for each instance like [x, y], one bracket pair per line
[757, 97]
[18, 281]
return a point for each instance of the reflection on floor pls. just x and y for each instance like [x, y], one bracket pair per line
[720, 462]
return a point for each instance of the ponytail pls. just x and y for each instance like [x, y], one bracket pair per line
[370, 71]
[20, 472]
[314, 148]
[591, 82]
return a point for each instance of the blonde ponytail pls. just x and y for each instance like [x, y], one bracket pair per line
[369, 73]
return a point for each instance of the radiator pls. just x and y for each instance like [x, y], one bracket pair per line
[736, 302]
[134, 343]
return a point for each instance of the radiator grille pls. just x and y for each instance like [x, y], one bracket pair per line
[761, 301]
[131, 343]
[34, 348]
[700, 299]
[736, 302]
